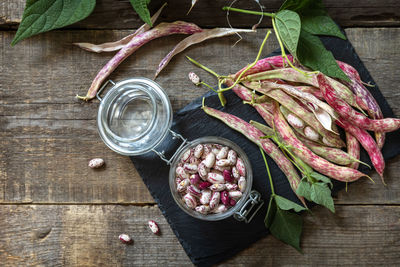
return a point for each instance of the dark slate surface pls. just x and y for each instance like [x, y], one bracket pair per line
[207, 243]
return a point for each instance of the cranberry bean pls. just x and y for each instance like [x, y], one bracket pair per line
[183, 185]
[232, 202]
[186, 155]
[215, 178]
[221, 169]
[223, 162]
[190, 201]
[192, 189]
[215, 150]
[242, 184]
[214, 200]
[232, 157]
[194, 160]
[228, 176]
[295, 121]
[223, 153]
[181, 173]
[220, 209]
[311, 134]
[204, 185]
[194, 179]
[218, 187]
[202, 170]
[205, 196]
[198, 151]
[225, 199]
[203, 209]
[231, 187]
[190, 168]
[235, 194]
[210, 160]
[235, 173]
[240, 167]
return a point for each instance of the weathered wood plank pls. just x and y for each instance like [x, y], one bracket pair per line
[88, 235]
[111, 14]
[48, 136]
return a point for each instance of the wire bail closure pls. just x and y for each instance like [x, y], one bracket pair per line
[174, 136]
[254, 201]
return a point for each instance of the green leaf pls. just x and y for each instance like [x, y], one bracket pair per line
[45, 15]
[304, 189]
[142, 10]
[312, 53]
[321, 194]
[270, 212]
[321, 25]
[287, 227]
[304, 7]
[321, 178]
[288, 25]
[286, 204]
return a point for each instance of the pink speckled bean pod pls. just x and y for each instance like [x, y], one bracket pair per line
[254, 135]
[162, 29]
[365, 96]
[356, 118]
[368, 144]
[353, 149]
[319, 164]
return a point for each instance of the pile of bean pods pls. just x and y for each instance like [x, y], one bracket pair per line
[305, 109]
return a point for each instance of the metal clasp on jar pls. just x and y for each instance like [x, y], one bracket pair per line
[250, 208]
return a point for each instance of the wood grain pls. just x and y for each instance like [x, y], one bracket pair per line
[118, 14]
[87, 235]
[47, 136]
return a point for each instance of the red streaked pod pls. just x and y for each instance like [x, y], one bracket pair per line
[225, 199]
[203, 209]
[235, 194]
[186, 156]
[190, 201]
[368, 143]
[242, 184]
[235, 173]
[218, 187]
[198, 151]
[223, 163]
[215, 197]
[215, 178]
[194, 179]
[183, 185]
[204, 185]
[205, 196]
[190, 168]
[231, 187]
[181, 173]
[240, 167]
[319, 164]
[223, 153]
[353, 149]
[192, 189]
[356, 118]
[209, 160]
[228, 176]
[202, 170]
[232, 157]
[219, 209]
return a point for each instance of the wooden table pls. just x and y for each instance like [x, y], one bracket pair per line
[54, 210]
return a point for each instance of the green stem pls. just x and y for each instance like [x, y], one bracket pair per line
[203, 83]
[248, 67]
[226, 8]
[269, 174]
[203, 67]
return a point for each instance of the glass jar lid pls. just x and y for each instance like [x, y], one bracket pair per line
[134, 116]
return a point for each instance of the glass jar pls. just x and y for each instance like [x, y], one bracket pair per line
[135, 116]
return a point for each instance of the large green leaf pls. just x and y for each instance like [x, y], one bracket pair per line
[321, 178]
[142, 10]
[321, 194]
[286, 204]
[288, 25]
[287, 227]
[312, 53]
[45, 15]
[321, 25]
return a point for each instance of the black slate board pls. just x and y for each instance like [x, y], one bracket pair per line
[207, 243]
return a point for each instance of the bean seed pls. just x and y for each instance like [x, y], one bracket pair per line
[190, 201]
[242, 184]
[215, 178]
[214, 199]
[198, 151]
[210, 160]
[218, 187]
[223, 153]
[205, 196]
